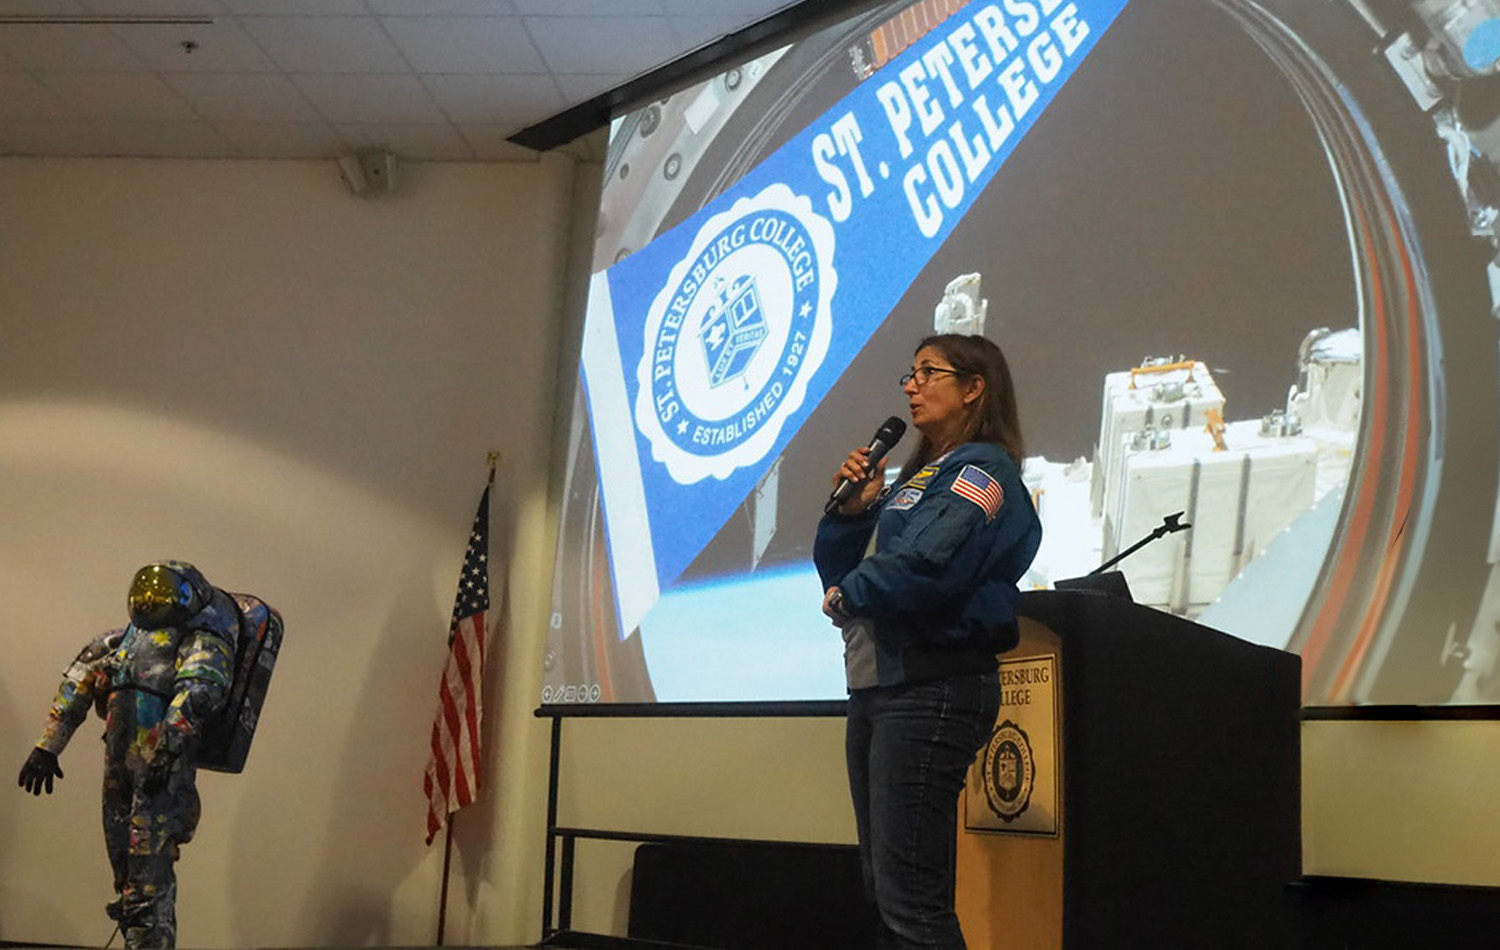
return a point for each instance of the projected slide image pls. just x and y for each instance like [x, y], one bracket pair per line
[1232, 255]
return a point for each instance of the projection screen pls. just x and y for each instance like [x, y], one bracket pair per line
[1240, 258]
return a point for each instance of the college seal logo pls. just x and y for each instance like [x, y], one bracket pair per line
[733, 337]
[1009, 771]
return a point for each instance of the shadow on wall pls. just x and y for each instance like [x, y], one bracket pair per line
[54, 875]
[370, 840]
[23, 814]
[475, 828]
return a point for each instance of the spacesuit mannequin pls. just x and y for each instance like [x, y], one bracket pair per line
[156, 683]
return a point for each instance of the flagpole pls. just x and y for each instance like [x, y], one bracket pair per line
[443, 900]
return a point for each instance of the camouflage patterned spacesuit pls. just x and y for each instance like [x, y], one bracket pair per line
[156, 683]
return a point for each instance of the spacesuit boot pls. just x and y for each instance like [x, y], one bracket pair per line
[149, 919]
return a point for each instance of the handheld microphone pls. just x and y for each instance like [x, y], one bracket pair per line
[884, 440]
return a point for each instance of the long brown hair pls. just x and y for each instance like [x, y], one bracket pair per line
[993, 418]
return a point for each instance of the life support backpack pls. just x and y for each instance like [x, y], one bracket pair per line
[226, 740]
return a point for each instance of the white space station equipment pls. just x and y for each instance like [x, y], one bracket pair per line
[1164, 447]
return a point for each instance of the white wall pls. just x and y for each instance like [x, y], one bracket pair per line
[242, 365]
[772, 779]
[1402, 801]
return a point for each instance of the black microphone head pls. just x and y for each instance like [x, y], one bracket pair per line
[890, 431]
[887, 435]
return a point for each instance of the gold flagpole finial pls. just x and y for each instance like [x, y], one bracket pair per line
[493, 458]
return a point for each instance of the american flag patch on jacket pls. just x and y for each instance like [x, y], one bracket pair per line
[975, 484]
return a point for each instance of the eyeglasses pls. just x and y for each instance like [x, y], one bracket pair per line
[923, 374]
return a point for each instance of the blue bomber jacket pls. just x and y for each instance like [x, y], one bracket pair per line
[937, 595]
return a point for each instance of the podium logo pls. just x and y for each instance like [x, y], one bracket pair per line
[1009, 771]
[735, 334]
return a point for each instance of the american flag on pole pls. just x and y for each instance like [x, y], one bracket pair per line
[452, 778]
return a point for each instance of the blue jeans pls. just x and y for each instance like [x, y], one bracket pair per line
[909, 749]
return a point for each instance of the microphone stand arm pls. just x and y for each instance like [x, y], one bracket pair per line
[1169, 524]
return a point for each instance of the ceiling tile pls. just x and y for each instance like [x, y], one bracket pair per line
[296, 8]
[155, 7]
[118, 96]
[378, 98]
[489, 144]
[22, 97]
[512, 100]
[439, 143]
[695, 31]
[281, 139]
[220, 48]
[67, 137]
[40, 7]
[590, 7]
[441, 7]
[326, 44]
[748, 11]
[581, 87]
[256, 97]
[299, 78]
[168, 139]
[56, 47]
[464, 44]
[603, 44]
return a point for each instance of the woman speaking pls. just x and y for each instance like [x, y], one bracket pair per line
[923, 616]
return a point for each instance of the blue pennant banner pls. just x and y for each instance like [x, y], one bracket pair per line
[706, 350]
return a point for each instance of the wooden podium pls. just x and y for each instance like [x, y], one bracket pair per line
[1140, 789]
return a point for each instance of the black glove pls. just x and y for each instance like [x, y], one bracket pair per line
[38, 771]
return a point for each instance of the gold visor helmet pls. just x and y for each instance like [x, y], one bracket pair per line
[163, 595]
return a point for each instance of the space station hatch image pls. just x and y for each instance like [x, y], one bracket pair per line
[1275, 323]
